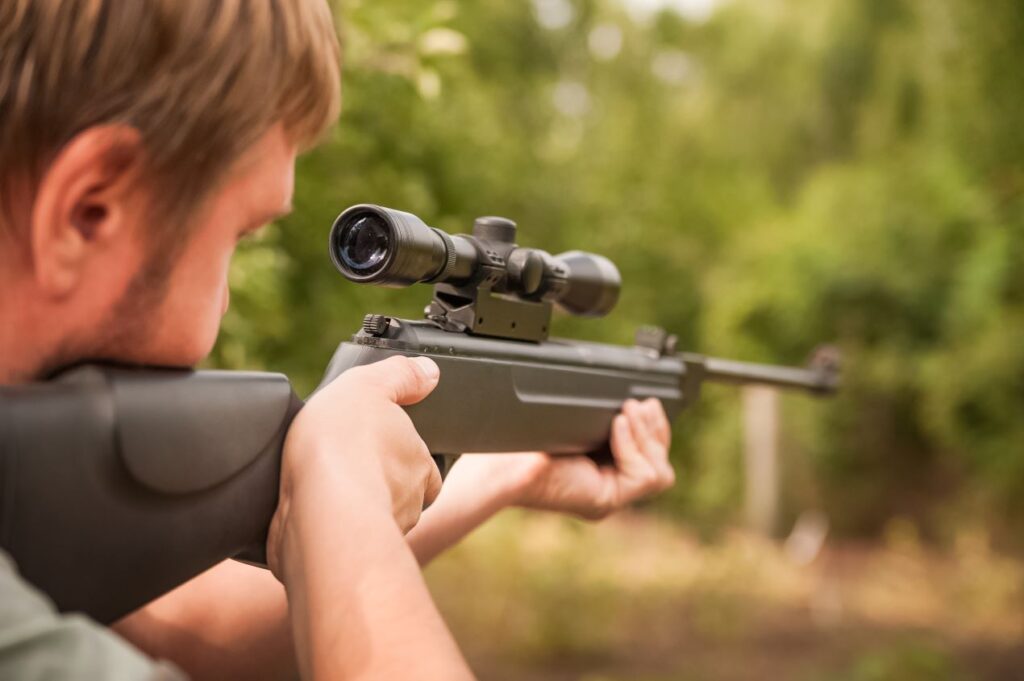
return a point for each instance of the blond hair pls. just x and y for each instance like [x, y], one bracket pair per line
[201, 80]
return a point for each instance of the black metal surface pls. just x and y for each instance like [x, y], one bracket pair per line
[818, 380]
[103, 517]
[503, 396]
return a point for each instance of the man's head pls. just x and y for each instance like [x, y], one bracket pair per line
[138, 142]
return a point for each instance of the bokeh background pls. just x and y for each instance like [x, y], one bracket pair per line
[768, 175]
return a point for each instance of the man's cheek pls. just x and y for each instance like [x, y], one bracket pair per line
[198, 320]
[225, 282]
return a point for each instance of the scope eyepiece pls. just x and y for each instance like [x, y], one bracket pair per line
[592, 284]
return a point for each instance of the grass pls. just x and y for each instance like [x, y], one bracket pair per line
[535, 596]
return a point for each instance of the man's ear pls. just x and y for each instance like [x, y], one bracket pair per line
[83, 204]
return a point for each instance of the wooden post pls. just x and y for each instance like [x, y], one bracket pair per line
[761, 457]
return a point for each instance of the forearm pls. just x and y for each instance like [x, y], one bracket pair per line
[449, 519]
[359, 606]
[231, 622]
[475, 491]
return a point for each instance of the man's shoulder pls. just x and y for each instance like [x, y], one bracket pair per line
[38, 642]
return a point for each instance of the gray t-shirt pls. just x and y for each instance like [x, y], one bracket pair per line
[37, 642]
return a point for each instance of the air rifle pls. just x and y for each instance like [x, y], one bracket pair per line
[118, 484]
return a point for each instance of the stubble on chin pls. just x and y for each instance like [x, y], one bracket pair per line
[128, 332]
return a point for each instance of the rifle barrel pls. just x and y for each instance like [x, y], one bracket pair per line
[823, 379]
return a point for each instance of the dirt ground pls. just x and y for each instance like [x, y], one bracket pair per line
[539, 597]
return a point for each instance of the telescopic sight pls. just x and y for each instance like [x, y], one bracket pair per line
[371, 244]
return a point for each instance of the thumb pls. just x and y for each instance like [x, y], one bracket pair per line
[403, 380]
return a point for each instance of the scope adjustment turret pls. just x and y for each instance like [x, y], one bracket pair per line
[493, 228]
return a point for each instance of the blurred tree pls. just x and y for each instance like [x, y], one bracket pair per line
[781, 174]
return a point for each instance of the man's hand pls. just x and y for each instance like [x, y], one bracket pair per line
[355, 431]
[480, 485]
[639, 443]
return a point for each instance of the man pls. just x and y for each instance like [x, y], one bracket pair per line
[139, 141]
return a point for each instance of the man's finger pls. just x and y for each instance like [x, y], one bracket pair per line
[636, 473]
[633, 460]
[433, 486]
[624, 446]
[639, 420]
[658, 420]
[654, 450]
[407, 517]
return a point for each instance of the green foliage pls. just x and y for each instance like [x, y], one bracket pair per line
[782, 174]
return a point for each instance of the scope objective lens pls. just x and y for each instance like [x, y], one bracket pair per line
[363, 244]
